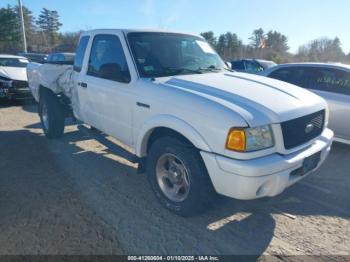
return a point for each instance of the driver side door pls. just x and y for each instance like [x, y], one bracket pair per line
[106, 88]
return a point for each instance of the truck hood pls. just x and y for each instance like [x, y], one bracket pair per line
[14, 73]
[259, 100]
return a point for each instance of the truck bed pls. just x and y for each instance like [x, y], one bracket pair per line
[56, 77]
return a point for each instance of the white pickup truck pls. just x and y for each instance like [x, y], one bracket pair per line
[195, 126]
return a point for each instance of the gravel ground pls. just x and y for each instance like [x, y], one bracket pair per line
[75, 196]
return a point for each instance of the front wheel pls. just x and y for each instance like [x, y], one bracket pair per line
[178, 176]
[51, 115]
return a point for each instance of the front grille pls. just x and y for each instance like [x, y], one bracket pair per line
[303, 129]
[19, 84]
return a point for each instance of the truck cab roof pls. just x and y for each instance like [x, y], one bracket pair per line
[126, 31]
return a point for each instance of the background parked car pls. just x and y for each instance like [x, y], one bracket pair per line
[330, 81]
[61, 58]
[252, 66]
[35, 57]
[13, 77]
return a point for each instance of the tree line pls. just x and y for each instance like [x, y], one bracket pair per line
[43, 36]
[42, 32]
[273, 45]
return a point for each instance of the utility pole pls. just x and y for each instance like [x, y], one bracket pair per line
[22, 26]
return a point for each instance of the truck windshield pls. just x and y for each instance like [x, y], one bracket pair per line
[168, 54]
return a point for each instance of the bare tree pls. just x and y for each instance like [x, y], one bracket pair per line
[321, 50]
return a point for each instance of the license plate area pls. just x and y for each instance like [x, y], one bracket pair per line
[309, 164]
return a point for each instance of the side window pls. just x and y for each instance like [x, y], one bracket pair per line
[238, 65]
[78, 61]
[330, 80]
[295, 76]
[51, 58]
[253, 67]
[281, 74]
[107, 59]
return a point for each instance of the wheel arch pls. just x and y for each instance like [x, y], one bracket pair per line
[42, 90]
[165, 124]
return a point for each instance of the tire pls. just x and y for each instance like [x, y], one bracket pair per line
[51, 114]
[197, 193]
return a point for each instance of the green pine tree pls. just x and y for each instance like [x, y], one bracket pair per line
[10, 35]
[49, 24]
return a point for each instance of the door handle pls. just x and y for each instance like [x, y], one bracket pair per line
[82, 84]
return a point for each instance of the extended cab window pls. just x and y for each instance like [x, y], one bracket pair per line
[78, 61]
[330, 80]
[107, 59]
[293, 75]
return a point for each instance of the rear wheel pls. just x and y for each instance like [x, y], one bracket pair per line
[51, 115]
[178, 176]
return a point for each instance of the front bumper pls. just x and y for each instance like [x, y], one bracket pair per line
[15, 93]
[265, 176]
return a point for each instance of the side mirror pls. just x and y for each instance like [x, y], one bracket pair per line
[228, 64]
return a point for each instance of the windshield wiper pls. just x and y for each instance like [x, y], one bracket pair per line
[200, 70]
[211, 68]
[180, 70]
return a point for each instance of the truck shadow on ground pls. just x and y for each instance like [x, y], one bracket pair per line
[87, 198]
[27, 104]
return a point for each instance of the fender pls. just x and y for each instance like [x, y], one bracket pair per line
[171, 122]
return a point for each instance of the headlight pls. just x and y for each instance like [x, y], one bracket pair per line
[5, 82]
[250, 139]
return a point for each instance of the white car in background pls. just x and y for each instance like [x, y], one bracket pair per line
[13, 77]
[330, 81]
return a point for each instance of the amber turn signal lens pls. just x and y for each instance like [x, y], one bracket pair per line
[236, 140]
